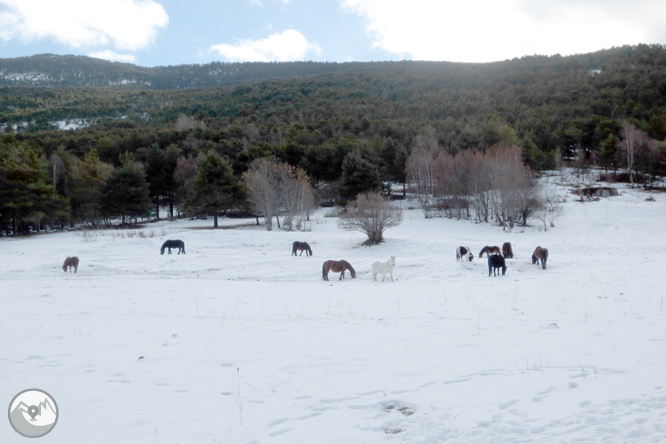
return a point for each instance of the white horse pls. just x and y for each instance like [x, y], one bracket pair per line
[383, 268]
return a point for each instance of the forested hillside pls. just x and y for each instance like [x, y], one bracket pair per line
[314, 115]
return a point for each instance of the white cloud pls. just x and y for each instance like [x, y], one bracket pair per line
[289, 45]
[112, 56]
[489, 30]
[127, 25]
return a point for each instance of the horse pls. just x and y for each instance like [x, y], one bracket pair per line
[495, 262]
[490, 250]
[507, 251]
[173, 243]
[464, 253]
[303, 246]
[71, 262]
[383, 268]
[540, 254]
[337, 267]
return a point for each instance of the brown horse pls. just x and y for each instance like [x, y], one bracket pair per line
[337, 267]
[303, 246]
[490, 250]
[540, 254]
[71, 262]
[507, 251]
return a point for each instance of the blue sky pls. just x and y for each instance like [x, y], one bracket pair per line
[173, 32]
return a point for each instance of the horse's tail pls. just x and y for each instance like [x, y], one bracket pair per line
[323, 271]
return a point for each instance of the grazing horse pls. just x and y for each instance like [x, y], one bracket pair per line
[303, 246]
[489, 250]
[383, 268]
[173, 243]
[337, 267]
[540, 254]
[495, 262]
[507, 251]
[464, 253]
[71, 262]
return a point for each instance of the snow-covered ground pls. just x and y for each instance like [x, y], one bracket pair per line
[239, 342]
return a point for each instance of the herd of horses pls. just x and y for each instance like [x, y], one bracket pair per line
[496, 257]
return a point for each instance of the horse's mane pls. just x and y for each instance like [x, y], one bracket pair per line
[351, 269]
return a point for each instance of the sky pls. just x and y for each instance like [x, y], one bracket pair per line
[174, 32]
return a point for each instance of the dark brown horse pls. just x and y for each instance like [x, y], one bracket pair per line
[489, 251]
[496, 263]
[71, 262]
[540, 254]
[303, 246]
[173, 243]
[507, 251]
[337, 267]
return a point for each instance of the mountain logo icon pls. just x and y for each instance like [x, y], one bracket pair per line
[33, 413]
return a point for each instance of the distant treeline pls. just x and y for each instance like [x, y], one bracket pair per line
[313, 115]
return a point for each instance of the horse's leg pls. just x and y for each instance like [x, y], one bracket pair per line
[391, 275]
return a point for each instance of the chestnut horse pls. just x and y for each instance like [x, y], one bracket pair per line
[489, 251]
[337, 267]
[71, 262]
[540, 254]
[173, 243]
[507, 251]
[303, 246]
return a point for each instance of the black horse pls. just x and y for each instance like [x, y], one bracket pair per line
[302, 246]
[495, 262]
[173, 243]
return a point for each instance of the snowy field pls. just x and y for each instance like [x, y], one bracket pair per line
[239, 342]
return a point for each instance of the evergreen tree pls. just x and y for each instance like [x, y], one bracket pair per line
[213, 186]
[88, 178]
[359, 175]
[27, 197]
[160, 173]
[126, 193]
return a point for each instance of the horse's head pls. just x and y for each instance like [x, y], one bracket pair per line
[534, 259]
[351, 269]
[392, 260]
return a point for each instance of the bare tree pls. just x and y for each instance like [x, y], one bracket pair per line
[295, 194]
[262, 184]
[273, 187]
[184, 123]
[370, 214]
[550, 206]
[421, 167]
[632, 139]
